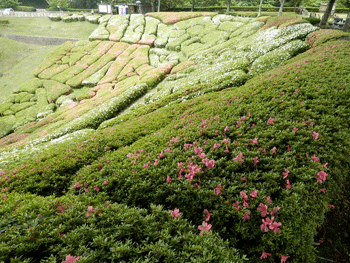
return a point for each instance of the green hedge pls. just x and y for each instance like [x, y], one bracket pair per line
[26, 8]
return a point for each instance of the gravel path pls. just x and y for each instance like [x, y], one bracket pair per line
[31, 14]
[43, 41]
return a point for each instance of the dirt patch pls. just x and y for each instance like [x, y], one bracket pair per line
[43, 41]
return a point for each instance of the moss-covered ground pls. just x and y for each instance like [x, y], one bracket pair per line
[191, 148]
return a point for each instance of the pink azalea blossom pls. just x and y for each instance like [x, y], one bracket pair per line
[209, 163]
[315, 158]
[175, 213]
[156, 162]
[227, 150]
[161, 155]
[331, 207]
[253, 125]
[77, 185]
[244, 196]
[268, 199]
[325, 165]
[96, 188]
[105, 182]
[263, 209]
[284, 258]
[236, 205]
[168, 179]
[216, 133]
[307, 156]
[129, 155]
[254, 194]
[205, 227]
[265, 255]
[321, 176]
[275, 211]
[167, 150]
[255, 141]
[296, 91]
[244, 179]
[270, 120]
[243, 118]
[295, 129]
[225, 141]
[70, 259]
[288, 185]
[216, 145]
[315, 135]
[255, 161]
[285, 173]
[288, 148]
[218, 189]
[245, 204]
[237, 124]
[274, 150]
[226, 128]
[246, 216]
[207, 216]
[323, 190]
[197, 150]
[239, 158]
[201, 155]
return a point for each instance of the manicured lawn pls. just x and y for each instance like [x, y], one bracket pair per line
[43, 26]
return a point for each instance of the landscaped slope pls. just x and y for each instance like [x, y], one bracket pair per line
[247, 170]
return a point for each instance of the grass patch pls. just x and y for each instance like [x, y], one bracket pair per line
[43, 26]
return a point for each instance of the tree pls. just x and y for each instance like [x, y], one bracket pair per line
[327, 13]
[281, 7]
[259, 13]
[10, 3]
[63, 4]
[158, 10]
[347, 22]
[192, 7]
[228, 7]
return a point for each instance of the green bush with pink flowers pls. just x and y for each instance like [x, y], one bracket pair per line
[230, 167]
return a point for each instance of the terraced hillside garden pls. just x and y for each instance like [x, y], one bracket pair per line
[177, 137]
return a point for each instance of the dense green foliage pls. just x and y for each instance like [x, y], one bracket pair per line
[264, 152]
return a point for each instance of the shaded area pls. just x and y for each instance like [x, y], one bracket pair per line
[43, 41]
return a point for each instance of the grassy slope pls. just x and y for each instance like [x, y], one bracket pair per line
[18, 60]
[321, 95]
[303, 94]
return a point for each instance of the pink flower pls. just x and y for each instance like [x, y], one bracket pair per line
[323, 190]
[129, 155]
[226, 128]
[77, 185]
[295, 129]
[216, 145]
[209, 163]
[225, 141]
[145, 166]
[201, 155]
[274, 150]
[245, 204]
[284, 258]
[218, 189]
[255, 161]
[265, 255]
[253, 125]
[301, 102]
[88, 166]
[237, 124]
[175, 213]
[255, 141]
[288, 148]
[268, 199]
[246, 216]
[167, 150]
[315, 135]
[285, 173]
[239, 158]
[270, 120]
[243, 118]
[236, 205]
[263, 209]
[168, 179]
[321, 176]
[216, 133]
[161, 155]
[288, 185]
[70, 259]
[226, 150]
[315, 158]
[254, 194]
[331, 207]
[96, 188]
[90, 209]
[105, 182]
[205, 227]
[207, 217]
[264, 224]
[296, 91]
[325, 165]
[156, 162]
[197, 150]
[275, 211]
[244, 196]
[244, 179]
[175, 139]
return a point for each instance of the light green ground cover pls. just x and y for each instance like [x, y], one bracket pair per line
[65, 132]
